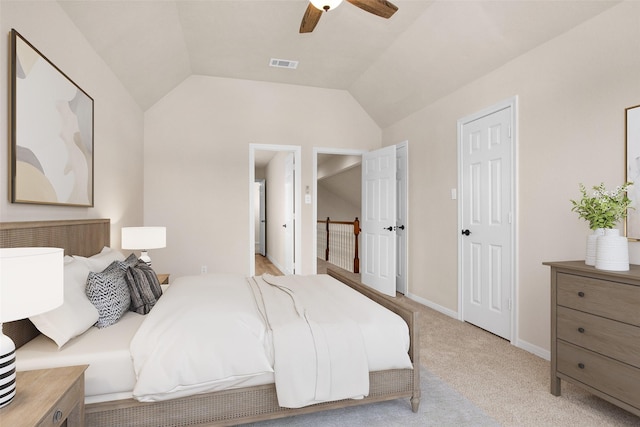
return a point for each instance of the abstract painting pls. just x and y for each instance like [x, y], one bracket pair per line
[51, 132]
[632, 139]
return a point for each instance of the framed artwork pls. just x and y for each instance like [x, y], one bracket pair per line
[51, 152]
[632, 141]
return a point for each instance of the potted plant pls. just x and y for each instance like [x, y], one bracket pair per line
[603, 209]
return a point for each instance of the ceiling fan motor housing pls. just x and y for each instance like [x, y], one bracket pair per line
[326, 5]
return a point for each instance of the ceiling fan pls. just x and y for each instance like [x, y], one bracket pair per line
[314, 11]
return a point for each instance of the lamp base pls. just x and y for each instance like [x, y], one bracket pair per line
[144, 256]
[7, 369]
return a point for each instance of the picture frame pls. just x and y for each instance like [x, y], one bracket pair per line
[51, 132]
[632, 145]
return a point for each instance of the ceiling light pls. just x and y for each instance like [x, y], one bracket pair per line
[325, 5]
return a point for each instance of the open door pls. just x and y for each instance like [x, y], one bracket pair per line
[262, 218]
[378, 222]
[289, 215]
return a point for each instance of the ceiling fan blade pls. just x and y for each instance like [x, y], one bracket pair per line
[310, 19]
[381, 8]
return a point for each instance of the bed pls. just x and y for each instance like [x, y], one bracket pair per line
[226, 407]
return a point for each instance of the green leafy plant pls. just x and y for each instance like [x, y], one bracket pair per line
[603, 209]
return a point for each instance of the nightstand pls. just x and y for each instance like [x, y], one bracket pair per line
[163, 278]
[47, 397]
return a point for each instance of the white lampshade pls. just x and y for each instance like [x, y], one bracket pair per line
[144, 238]
[31, 282]
[326, 4]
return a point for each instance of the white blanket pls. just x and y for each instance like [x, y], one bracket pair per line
[319, 350]
[204, 334]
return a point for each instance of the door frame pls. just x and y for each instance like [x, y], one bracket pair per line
[314, 191]
[513, 104]
[297, 151]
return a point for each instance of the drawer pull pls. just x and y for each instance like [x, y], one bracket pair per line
[581, 294]
[581, 365]
[581, 330]
[57, 416]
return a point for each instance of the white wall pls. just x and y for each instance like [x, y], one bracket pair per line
[118, 121]
[335, 206]
[572, 94]
[197, 162]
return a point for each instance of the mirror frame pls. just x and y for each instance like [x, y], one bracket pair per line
[632, 161]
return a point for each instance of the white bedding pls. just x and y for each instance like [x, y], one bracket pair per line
[110, 375]
[204, 334]
[176, 349]
[319, 351]
[215, 308]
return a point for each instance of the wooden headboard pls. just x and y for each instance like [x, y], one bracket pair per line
[84, 237]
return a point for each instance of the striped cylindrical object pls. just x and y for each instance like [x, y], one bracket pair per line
[7, 370]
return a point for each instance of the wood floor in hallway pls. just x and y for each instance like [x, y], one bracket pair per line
[263, 265]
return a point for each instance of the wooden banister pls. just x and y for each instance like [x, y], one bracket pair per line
[356, 232]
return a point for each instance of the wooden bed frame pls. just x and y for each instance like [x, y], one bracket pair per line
[229, 407]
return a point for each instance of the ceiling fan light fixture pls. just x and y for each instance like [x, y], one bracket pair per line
[325, 5]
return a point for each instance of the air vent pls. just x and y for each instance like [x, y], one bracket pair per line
[283, 63]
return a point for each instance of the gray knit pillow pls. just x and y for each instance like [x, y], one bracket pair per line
[144, 287]
[109, 293]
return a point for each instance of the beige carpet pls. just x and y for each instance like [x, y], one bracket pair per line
[509, 384]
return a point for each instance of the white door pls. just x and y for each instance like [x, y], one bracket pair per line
[262, 218]
[486, 153]
[289, 225]
[378, 240]
[402, 220]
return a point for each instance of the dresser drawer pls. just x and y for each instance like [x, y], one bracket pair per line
[607, 375]
[604, 298]
[608, 337]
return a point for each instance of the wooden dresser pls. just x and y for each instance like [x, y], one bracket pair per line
[595, 331]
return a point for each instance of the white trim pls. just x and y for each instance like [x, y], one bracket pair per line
[513, 104]
[433, 305]
[297, 151]
[534, 349]
[314, 187]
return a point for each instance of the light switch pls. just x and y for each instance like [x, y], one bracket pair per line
[454, 194]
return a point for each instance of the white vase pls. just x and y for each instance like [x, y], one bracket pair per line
[612, 251]
[590, 258]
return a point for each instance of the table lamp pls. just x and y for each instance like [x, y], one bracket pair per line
[143, 239]
[31, 282]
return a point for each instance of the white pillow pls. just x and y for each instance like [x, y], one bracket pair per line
[99, 262]
[76, 314]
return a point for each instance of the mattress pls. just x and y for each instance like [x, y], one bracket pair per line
[110, 375]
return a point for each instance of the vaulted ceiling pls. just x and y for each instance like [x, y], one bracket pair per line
[391, 67]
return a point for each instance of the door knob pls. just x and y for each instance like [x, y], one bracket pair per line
[401, 227]
[466, 232]
[284, 225]
[389, 228]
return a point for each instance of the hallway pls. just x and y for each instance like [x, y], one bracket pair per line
[263, 265]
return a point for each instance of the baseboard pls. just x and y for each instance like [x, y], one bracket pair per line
[534, 349]
[433, 305]
[527, 346]
[276, 264]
